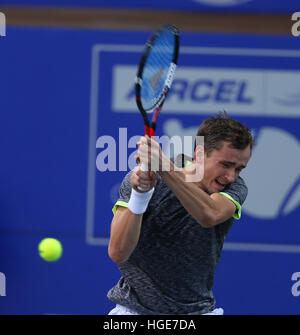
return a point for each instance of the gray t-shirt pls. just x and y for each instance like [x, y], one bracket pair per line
[171, 270]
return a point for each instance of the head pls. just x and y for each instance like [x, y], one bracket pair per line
[226, 151]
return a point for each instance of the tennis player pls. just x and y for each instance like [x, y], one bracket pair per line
[167, 241]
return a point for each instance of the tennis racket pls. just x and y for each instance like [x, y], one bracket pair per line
[155, 74]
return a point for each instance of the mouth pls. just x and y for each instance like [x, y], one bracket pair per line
[219, 184]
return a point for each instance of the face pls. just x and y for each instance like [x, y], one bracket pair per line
[222, 167]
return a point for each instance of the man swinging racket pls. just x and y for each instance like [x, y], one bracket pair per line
[167, 233]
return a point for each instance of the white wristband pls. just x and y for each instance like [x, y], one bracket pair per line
[138, 202]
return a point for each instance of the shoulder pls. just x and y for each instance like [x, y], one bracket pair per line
[125, 188]
[238, 190]
[239, 182]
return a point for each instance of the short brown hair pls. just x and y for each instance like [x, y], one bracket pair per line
[222, 128]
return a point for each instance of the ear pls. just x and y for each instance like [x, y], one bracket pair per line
[199, 154]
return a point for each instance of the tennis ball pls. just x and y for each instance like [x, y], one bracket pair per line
[50, 249]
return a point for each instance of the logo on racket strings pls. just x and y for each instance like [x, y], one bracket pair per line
[155, 79]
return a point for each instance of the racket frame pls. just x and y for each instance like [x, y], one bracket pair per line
[151, 127]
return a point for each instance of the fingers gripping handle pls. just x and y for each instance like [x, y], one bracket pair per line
[145, 169]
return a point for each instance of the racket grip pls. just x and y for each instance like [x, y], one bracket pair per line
[145, 169]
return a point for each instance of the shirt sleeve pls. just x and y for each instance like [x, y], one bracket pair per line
[237, 193]
[124, 193]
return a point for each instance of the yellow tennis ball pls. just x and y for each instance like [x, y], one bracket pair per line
[50, 249]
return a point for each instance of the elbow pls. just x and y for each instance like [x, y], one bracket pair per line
[207, 220]
[117, 255]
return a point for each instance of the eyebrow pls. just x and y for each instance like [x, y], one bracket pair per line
[232, 163]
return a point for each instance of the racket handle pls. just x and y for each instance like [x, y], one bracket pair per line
[145, 169]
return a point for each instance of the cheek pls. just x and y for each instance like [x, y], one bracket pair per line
[214, 172]
[210, 173]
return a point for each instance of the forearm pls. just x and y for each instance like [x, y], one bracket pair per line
[198, 203]
[124, 235]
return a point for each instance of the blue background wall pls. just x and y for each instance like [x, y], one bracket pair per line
[256, 6]
[58, 96]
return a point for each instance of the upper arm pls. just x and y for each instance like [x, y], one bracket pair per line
[229, 202]
[118, 215]
[118, 212]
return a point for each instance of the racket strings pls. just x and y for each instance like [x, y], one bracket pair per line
[156, 69]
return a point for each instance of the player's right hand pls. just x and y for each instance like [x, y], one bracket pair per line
[145, 180]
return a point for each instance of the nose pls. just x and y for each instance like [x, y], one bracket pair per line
[230, 176]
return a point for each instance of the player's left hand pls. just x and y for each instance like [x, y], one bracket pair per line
[151, 155]
[142, 179]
